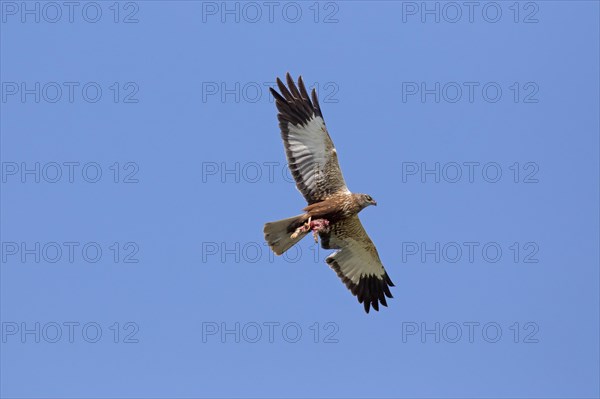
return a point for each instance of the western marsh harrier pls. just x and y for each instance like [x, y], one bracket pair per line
[332, 210]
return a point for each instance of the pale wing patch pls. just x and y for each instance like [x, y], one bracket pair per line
[357, 263]
[308, 153]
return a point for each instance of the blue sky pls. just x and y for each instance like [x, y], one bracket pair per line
[141, 157]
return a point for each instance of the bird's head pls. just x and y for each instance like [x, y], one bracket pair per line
[366, 200]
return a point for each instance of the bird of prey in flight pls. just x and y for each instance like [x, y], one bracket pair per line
[332, 211]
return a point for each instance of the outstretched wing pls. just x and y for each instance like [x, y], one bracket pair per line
[357, 262]
[311, 155]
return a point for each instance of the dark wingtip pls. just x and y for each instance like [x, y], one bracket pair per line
[284, 90]
[292, 86]
[389, 280]
[383, 301]
[370, 290]
[293, 103]
[276, 95]
[313, 94]
[289, 79]
[375, 304]
[303, 91]
[279, 82]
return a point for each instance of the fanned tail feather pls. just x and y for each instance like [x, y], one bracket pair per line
[279, 234]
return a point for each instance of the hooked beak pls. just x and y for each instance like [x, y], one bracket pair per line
[374, 202]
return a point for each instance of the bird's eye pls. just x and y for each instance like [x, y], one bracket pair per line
[369, 198]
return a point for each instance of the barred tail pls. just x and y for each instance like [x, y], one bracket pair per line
[279, 234]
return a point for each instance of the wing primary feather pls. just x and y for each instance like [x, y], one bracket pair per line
[389, 280]
[315, 101]
[375, 304]
[361, 292]
[278, 97]
[367, 293]
[383, 301]
[380, 292]
[374, 296]
[292, 85]
[303, 91]
[284, 91]
[386, 290]
[299, 99]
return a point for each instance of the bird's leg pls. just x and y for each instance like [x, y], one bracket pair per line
[317, 226]
[302, 229]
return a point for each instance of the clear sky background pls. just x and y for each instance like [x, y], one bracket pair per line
[474, 127]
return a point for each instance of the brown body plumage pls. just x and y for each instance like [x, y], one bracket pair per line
[337, 207]
[334, 208]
